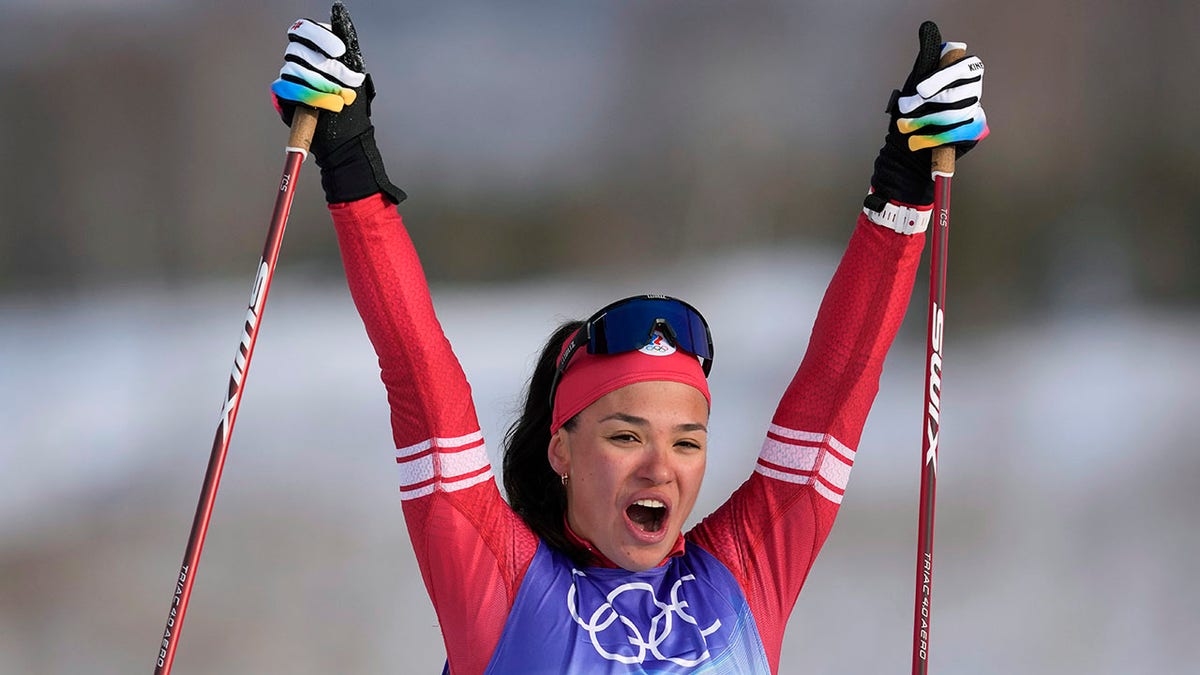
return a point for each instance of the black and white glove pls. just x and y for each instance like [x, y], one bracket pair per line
[323, 68]
[937, 106]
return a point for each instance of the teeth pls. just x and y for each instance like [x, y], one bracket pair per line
[650, 503]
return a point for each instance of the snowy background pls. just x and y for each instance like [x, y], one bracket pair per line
[1067, 501]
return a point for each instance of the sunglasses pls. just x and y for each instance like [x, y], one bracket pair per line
[630, 324]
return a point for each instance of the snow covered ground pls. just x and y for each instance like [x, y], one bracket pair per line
[1066, 538]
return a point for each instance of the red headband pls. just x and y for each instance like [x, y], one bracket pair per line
[590, 376]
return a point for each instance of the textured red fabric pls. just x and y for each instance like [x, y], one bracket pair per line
[471, 548]
[770, 531]
[473, 551]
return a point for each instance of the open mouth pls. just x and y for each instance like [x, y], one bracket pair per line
[649, 515]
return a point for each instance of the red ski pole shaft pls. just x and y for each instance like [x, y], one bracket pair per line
[303, 125]
[943, 172]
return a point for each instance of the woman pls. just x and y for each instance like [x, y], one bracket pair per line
[588, 570]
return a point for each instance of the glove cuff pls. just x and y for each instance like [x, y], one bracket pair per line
[903, 218]
[354, 170]
[902, 176]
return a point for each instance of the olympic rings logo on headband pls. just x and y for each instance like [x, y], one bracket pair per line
[629, 643]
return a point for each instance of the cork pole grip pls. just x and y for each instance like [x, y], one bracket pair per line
[304, 123]
[943, 157]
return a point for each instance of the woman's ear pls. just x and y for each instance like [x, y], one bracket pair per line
[559, 453]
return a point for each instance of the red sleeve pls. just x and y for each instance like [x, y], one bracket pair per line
[472, 549]
[771, 529]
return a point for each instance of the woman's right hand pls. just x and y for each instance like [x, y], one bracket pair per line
[938, 105]
[323, 68]
[312, 73]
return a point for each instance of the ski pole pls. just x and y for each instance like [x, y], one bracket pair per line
[943, 172]
[303, 124]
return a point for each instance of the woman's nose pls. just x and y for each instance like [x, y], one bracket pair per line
[656, 464]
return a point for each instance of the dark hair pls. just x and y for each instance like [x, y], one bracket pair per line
[535, 490]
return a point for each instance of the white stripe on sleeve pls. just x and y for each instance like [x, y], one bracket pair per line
[458, 441]
[827, 493]
[459, 463]
[804, 454]
[835, 471]
[798, 457]
[809, 436]
[783, 475]
[416, 449]
[443, 464]
[415, 471]
[454, 486]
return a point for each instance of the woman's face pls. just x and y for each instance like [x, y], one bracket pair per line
[635, 459]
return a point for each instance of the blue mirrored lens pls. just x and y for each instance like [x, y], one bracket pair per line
[628, 326]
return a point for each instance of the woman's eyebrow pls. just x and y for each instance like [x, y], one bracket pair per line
[643, 422]
[627, 418]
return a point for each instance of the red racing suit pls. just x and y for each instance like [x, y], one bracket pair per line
[474, 552]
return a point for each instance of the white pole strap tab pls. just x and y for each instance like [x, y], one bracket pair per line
[901, 218]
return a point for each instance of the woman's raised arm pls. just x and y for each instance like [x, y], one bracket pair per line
[471, 548]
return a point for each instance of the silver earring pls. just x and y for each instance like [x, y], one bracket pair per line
[564, 478]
